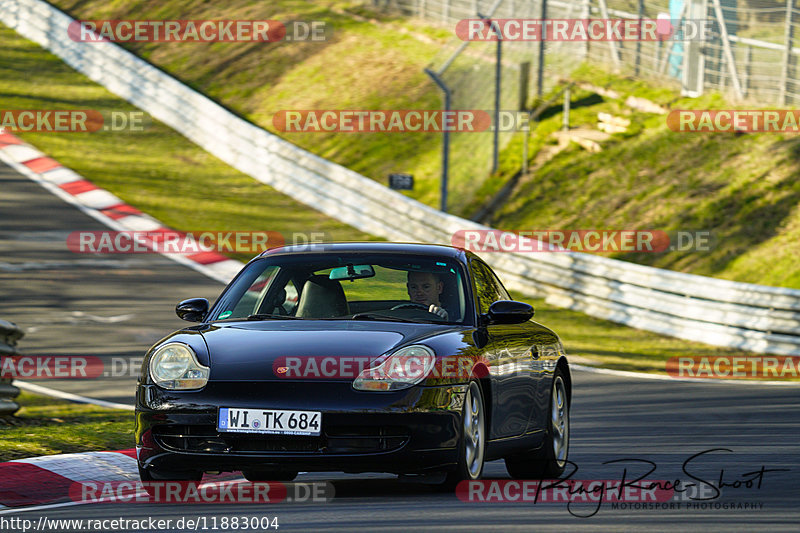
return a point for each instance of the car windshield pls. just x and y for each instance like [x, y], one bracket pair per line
[361, 286]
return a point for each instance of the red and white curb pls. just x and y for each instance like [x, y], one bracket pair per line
[46, 480]
[102, 205]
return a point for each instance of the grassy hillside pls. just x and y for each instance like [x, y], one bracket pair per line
[744, 189]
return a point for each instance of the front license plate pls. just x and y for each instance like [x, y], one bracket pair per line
[269, 421]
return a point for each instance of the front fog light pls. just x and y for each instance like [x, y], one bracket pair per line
[174, 366]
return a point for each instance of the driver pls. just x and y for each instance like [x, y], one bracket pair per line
[424, 288]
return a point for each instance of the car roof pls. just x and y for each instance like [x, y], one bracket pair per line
[370, 247]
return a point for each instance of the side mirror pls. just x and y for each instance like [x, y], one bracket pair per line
[193, 309]
[509, 312]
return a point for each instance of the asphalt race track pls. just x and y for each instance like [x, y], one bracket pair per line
[72, 304]
[111, 306]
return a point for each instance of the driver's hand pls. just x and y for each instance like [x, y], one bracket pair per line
[438, 311]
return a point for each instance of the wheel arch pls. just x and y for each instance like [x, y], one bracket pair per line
[563, 365]
[486, 390]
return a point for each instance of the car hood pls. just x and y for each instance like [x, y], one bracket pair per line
[255, 351]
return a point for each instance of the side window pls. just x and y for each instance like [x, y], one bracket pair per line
[500, 289]
[271, 293]
[487, 287]
[251, 299]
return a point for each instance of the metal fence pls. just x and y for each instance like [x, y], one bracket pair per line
[759, 34]
[9, 335]
[750, 55]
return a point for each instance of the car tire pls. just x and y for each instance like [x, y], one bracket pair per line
[269, 475]
[550, 459]
[472, 441]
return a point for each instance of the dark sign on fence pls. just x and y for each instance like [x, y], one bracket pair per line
[401, 182]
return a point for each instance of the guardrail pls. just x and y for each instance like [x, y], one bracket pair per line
[9, 335]
[724, 313]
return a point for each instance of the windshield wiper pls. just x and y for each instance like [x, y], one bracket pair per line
[268, 316]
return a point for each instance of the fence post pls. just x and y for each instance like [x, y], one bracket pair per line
[748, 52]
[445, 11]
[787, 52]
[524, 78]
[693, 63]
[498, 78]
[540, 67]
[612, 45]
[640, 14]
[445, 136]
[726, 48]
[567, 97]
[586, 14]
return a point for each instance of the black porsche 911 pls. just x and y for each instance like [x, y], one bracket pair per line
[356, 357]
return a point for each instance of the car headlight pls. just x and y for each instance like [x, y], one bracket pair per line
[403, 369]
[174, 366]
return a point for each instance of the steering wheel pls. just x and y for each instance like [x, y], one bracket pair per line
[411, 305]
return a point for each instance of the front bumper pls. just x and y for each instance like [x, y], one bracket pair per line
[410, 431]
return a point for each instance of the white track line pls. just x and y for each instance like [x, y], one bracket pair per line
[69, 396]
[642, 375]
[10, 510]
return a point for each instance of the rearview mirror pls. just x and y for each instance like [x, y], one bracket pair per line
[193, 309]
[352, 272]
[509, 312]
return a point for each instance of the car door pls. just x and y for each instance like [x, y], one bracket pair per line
[509, 354]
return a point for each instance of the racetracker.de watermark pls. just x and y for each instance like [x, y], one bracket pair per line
[734, 120]
[578, 30]
[71, 120]
[69, 367]
[198, 31]
[564, 491]
[383, 120]
[592, 241]
[187, 492]
[400, 120]
[176, 242]
[399, 367]
[735, 367]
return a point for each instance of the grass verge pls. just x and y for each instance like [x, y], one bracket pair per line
[48, 426]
